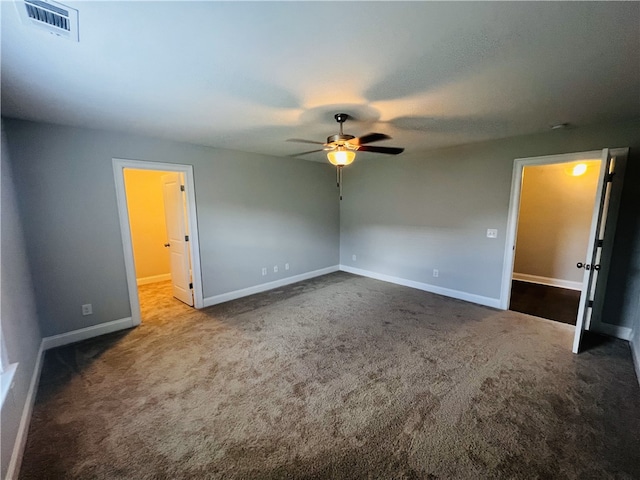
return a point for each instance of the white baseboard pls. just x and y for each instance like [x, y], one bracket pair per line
[447, 292]
[88, 332]
[263, 287]
[153, 279]
[21, 437]
[552, 282]
[623, 333]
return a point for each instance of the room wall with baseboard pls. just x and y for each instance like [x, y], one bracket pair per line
[554, 221]
[253, 210]
[20, 327]
[406, 216]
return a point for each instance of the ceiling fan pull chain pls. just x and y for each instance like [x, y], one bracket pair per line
[340, 180]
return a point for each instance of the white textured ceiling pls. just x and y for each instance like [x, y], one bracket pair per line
[249, 75]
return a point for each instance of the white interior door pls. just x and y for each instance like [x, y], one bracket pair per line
[177, 232]
[590, 281]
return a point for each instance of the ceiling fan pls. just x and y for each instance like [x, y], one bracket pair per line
[341, 148]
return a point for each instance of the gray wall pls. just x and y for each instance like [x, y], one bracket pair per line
[19, 322]
[407, 215]
[254, 211]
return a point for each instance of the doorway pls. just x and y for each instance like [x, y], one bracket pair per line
[591, 247]
[554, 218]
[156, 205]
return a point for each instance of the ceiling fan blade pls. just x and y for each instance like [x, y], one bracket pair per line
[387, 150]
[369, 138]
[304, 153]
[301, 140]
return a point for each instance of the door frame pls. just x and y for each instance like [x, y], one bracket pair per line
[621, 156]
[119, 164]
[514, 210]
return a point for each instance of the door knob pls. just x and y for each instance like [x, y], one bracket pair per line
[588, 266]
[167, 244]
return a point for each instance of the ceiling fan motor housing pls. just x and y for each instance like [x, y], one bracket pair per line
[339, 138]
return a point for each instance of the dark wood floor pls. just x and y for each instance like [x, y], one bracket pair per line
[553, 303]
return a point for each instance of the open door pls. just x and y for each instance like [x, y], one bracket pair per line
[178, 233]
[594, 282]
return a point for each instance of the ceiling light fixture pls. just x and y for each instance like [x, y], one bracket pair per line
[341, 156]
[579, 169]
[341, 148]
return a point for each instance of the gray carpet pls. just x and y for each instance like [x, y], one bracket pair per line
[336, 377]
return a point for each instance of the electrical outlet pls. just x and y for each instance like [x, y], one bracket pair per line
[264, 271]
[492, 233]
[286, 266]
[435, 272]
[275, 269]
[87, 309]
[353, 257]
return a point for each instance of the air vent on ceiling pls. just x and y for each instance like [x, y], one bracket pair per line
[55, 18]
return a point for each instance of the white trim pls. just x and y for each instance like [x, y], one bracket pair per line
[7, 371]
[4, 358]
[153, 279]
[87, 332]
[552, 282]
[21, 437]
[623, 333]
[514, 207]
[263, 287]
[194, 247]
[447, 292]
[6, 379]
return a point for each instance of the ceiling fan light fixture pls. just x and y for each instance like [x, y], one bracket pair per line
[341, 156]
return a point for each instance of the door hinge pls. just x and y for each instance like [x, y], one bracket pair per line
[182, 188]
[609, 177]
[186, 238]
[600, 243]
[590, 304]
[191, 286]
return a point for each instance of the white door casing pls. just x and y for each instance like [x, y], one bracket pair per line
[187, 170]
[178, 236]
[603, 210]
